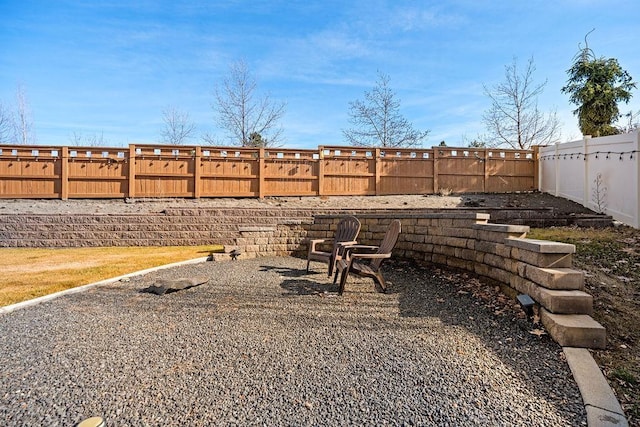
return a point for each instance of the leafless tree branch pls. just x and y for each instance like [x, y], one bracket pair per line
[377, 122]
[7, 126]
[243, 114]
[178, 128]
[24, 121]
[88, 140]
[514, 119]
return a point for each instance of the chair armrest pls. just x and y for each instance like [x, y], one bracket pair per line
[347, 243]
[314, 242]
[370, 256]
[365, 247]
[339, 248]
[353, 249]
[319, 240]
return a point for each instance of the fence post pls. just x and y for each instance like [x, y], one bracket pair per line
[377, 162]
[64, 174]
[636, 219]
[261, 173]
[586, 186]
[536, 167]
[132, 171]
[556, 166]
[436, 153]
[485, 178]
[197, 172]
[320, 171]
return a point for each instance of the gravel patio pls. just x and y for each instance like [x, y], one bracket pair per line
[264, 343]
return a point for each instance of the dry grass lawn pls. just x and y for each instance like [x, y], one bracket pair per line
[27, 273]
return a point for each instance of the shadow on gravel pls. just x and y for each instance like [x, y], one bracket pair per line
[466, 301]
[299, 286]
[307, 287]
[287, 272]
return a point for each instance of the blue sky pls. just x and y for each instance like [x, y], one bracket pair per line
[111, 67]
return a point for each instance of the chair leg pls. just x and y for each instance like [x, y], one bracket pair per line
[308, 262]
[343, 279]
[332, 261]
[379, 279]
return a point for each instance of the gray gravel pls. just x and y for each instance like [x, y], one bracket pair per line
[263, 343]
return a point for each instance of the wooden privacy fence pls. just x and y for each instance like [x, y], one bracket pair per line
[195, 171]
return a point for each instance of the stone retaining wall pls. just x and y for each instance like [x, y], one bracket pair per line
[172, 227]
[540, 269]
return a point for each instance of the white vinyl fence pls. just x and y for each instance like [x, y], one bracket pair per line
[599, 173]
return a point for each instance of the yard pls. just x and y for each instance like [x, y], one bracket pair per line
[610, 258]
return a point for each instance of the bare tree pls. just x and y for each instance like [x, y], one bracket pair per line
[211, 139]
[242, 112]
[178, 128]
[7, 126]
[377, 122]
[632, 122]
[514, 118]
[24, 121]
[88, 140]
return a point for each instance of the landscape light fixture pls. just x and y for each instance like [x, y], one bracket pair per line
[527, 303]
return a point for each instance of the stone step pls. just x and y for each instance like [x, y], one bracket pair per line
[564, 302]
[499, 232]
[574, 330]
[541, 253]
[555, 278]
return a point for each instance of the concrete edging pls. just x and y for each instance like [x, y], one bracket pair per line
[35, 301]
[602, 406]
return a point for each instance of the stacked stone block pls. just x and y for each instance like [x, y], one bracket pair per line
[172, 227]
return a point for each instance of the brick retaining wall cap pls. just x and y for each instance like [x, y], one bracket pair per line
[542, 246]
[503, 228]
[400, 215]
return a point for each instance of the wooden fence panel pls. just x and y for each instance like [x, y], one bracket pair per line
[348, 171]
[185, 171]
[164, 171]
[290, 173]
[403, 171]
[96, 173]
[461, 170]
[509, 171]
[226, 172]
[29, 171]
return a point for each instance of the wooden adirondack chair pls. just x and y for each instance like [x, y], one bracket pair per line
[346, 234]
[368, 264]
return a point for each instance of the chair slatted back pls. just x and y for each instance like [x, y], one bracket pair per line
[388, 243]
[347, 230]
